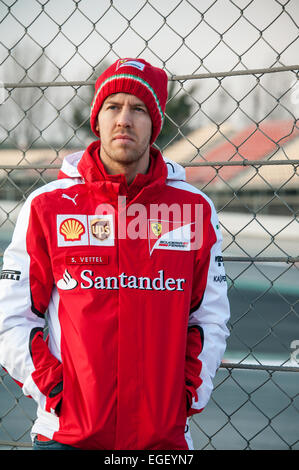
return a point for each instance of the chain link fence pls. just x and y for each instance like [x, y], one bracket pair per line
[232, 122]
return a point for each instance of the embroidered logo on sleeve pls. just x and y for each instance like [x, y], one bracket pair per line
[219, 260]
[10, 274]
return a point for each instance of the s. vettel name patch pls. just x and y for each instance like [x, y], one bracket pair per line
[86, 259]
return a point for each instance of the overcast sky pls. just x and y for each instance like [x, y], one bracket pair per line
[188, 40]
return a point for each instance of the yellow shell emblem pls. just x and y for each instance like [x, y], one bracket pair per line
[156, 228]
[72, 229]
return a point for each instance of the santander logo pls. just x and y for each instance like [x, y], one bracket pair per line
[67, 282]
[123, 281]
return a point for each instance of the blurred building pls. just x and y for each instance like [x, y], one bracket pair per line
[268, 188]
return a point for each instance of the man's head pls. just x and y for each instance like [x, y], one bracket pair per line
[125, 128]
[135, 77]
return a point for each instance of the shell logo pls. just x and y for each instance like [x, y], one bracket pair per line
[72, 229]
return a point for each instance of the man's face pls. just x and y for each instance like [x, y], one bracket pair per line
[125, 129]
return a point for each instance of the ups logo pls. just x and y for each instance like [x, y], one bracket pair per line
[100, 229]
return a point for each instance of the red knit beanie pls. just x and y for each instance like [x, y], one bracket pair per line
[139, 78]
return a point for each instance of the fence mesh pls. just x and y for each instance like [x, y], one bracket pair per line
[231, 121]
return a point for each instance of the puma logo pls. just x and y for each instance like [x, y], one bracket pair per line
[70, 198]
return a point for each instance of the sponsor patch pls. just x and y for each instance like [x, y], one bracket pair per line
[156, 228]
[220, 278]
[165, 235]
[219, 260]
[72, 230]
[85, 230]
[101, 230]
[89, 280]
[130, 63]
[67, 282]
[10, 274]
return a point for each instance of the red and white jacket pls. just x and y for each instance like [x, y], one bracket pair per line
[131, 283]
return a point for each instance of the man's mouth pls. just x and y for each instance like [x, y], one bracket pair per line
[123, 138]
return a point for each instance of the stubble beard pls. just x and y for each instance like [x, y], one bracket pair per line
[124, 155]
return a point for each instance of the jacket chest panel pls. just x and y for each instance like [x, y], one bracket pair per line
[106, 248]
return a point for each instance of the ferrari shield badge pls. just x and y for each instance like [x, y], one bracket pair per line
[156, 228]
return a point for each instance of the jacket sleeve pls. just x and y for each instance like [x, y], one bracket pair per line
[25, 290]
[209, 313]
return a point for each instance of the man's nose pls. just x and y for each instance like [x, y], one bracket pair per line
[124, 117]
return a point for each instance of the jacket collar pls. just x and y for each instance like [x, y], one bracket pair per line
[92, 170]
[71, 163]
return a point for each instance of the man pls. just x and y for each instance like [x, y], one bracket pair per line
[123, 255]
